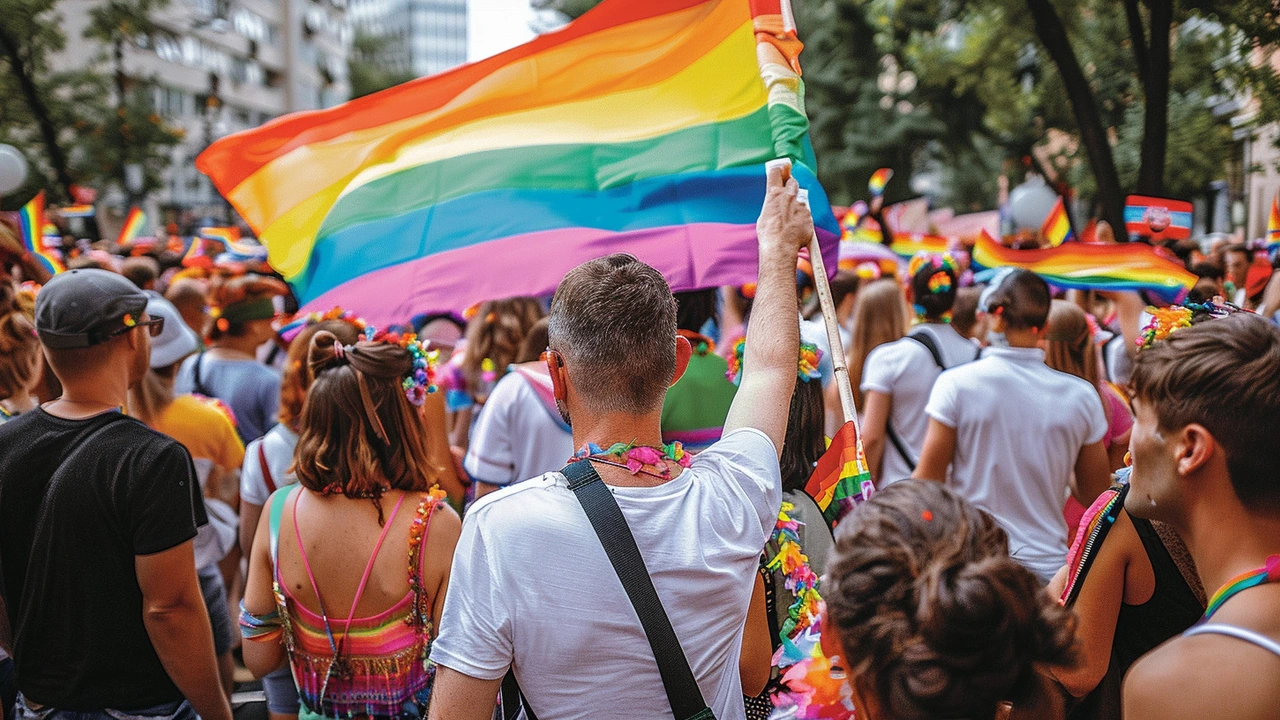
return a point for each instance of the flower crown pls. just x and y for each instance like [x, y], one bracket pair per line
[298, 324]
[807, 369]
[1167, 320]
[421, 380]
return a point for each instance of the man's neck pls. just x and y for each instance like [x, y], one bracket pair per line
[1226, 540]
[605, 430]
[89, 395]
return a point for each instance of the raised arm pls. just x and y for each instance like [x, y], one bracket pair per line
[773, 335]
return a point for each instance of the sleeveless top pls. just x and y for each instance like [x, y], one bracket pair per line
[372, 666]
[1173, 608]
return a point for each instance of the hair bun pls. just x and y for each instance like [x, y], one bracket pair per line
[321, 355]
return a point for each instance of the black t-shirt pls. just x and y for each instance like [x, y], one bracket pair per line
[79, 499]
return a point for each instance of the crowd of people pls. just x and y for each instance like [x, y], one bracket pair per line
[597, 505]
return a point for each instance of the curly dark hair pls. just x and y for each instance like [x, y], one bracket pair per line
[934, 618]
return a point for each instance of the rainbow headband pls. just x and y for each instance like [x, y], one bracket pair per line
[807, 369]
[297, 325]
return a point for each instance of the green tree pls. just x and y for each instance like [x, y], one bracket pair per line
[368, 68]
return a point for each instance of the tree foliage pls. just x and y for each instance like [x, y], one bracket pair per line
[366, 69]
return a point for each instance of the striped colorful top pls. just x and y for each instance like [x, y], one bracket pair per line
[360, 666]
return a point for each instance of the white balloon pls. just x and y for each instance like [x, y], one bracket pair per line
[1030, 203]
[13, 169]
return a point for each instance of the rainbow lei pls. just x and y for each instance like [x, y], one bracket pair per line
[807, 369]
[810, 692]
[635, 458]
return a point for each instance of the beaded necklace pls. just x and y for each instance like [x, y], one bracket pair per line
[1266, 574]
[637, 459]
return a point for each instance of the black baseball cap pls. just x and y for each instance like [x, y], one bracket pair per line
[81, 308]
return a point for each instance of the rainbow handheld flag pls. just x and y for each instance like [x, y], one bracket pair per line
[1057, 227]
[1273, 222]
[1088, 266]
[906, 245]
[76, 211]
[224, 235]
[879, 179]
[132, 227]
[841, 478]
[1157, 218]
[640, 127]
[31, 218]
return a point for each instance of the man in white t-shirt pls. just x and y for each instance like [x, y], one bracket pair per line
[1015, 433]
[897, 376]
[519, 434]
[531, 587]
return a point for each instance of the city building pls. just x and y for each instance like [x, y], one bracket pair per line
[222, 66]
[417, 37]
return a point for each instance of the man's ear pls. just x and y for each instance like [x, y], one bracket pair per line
[559, 375]
[684, 351]
[1195, 447]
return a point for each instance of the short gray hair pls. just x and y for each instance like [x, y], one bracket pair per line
[614, 321]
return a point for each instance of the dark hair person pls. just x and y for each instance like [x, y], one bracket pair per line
[933, 618]
[362, 458]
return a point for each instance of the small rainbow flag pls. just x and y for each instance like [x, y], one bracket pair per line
[76, 211]
[841, 477]
[1157, 218]
[1089, 266]
[196, 256]
[1273, 222]
[132, 227]
[31, 218]
[906, 245]
[879, 179]
[224, 235]
[641, 127]
[1057, 227]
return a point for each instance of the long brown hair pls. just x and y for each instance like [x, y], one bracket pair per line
[297, 375]
[360, 436]
[934, 618]
[19, 346]
[879, 317]
[1069, 342]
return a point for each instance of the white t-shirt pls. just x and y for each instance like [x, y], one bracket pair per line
[515, 436]
[278, 445]
[531, 586]
[1020, 426]
[905, 370]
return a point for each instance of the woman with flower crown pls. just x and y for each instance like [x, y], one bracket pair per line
[349, 568]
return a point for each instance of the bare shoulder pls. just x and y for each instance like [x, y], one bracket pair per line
[1200, 677]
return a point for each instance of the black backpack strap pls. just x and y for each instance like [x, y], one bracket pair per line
[620, 545]
[196, 384]
[898, 445]
[927, 341]
[512, 700]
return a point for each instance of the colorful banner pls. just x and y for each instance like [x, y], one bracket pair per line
[1057, 227]
[906, 245]
[1084, 266]
[1157, 218]
[640, 127]
[32, 222]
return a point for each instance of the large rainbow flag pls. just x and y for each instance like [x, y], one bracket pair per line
[1092, 266]
[640, 127]
[31, 220]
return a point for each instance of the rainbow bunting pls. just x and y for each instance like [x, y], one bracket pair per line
[76, 211]
[31, 218]
[1057, 227]
[1088, 266]
[906, 245]
[879, 179]
[841, 477]
[640, 127]
[1273, 221]
[1157, 218]
[132, 227]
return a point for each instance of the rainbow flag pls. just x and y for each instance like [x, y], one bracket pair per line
[640, 127]
[224, 235]
[1057, 227]
[1089, 266]
[132, 227]
[906, 245]
[1273, 221]
[76, 211]
[841, 477]
[31, 219]
[879, 179]
[1157, 218]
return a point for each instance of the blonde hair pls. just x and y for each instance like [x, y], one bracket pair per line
[496, 333]
[879, 317]
[19, 347]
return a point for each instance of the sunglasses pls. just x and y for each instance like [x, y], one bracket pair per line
[154, 327]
